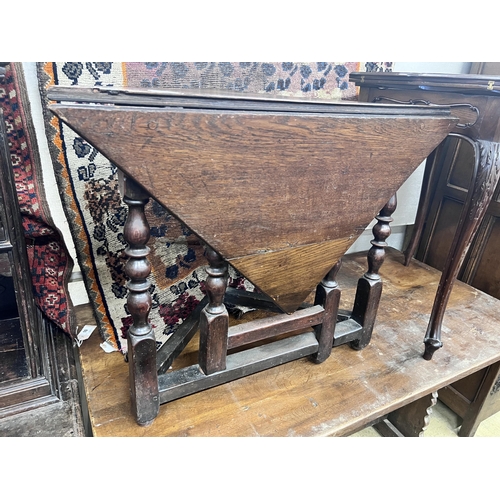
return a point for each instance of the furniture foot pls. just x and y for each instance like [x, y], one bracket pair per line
[327, 296]
[140, 337]
[214, 318]
[485, 179]
[369, 287]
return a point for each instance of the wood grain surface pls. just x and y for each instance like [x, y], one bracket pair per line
[348, 391]
[254, 183]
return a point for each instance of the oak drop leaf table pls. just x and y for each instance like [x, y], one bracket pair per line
[279, 188]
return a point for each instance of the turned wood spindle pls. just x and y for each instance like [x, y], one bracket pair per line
[381, 231]
[214, 319]
[369, 287]
[140, 337]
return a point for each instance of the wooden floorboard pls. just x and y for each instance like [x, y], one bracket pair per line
[338, 397]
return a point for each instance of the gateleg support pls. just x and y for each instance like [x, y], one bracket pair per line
[214, 319]
[369, 288]
[327, 296]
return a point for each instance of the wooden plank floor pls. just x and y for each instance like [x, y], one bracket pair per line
[338, 397]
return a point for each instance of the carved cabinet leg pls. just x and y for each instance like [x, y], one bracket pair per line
[369, 287]
[328, 296]
[214, 319]
[140, 337]
[486, 179]
[409, 421]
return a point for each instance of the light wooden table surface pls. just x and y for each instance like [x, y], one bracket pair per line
[338, 397]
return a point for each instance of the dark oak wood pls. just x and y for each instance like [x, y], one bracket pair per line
[39, 393]
[481, 193]
[265, 328]
[140, 337]
[273, 188]
[214, 321]
[348, 391]
[284, 238]
[480, 268]
[328, 297]
[191, 379]
[474, 398]
[370, 285]
[474, 100]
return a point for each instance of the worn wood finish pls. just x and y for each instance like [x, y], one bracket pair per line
[369, 288]
[474, 398]
[140, 336]
[346, 392]
[280, 194]
[265, 328]
[474, 99]
[214, 320]
[300, 226]
[192, 379]
[293, 270]
[411, 420]
[328, 297]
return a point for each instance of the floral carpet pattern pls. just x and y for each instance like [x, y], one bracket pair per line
[90, 193]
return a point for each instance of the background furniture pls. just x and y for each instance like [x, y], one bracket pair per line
[26, 379]
[450, 179]
[475, 397]
[474, 99]
[37, 362]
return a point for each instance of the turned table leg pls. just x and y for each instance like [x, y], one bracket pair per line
[214, 319]
[369, 287]
[487, 156]
[327, 296]
[140, 337]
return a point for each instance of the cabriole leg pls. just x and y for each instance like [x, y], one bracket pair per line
[487, 167]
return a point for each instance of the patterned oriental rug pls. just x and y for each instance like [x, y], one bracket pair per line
[48, 257]
[89, 185]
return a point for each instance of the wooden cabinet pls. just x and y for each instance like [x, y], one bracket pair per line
[38, 368]
[26, 379]
[478, 106]
[477, 396]
[480, 268]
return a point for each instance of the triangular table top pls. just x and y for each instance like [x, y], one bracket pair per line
[281, 188]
